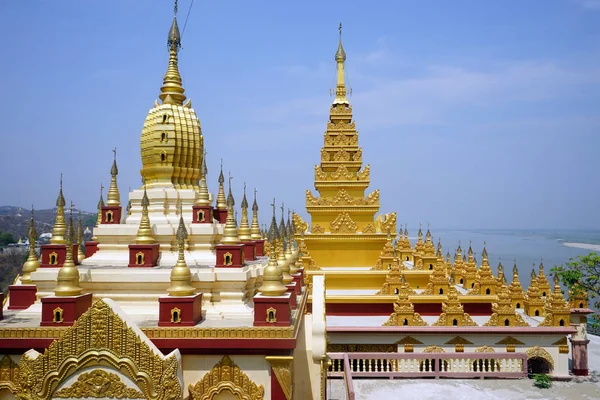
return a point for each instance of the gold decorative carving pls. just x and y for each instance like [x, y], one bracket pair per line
[320, 175]
[373, 199]
[99, 384]
[510, 340]
[485, 349]
[368, 228]
[386, 222]
[282, 367]
[343, 224]
[364, 174]
[299, 225]
[342, 173]
[53, 257]
[100, 337]
[340, 155]
[227, 258]
[139, 258]
[324, 155]
[433, 349]
[358, 155]
[317, 229]
[9, 375]
[226, 375]
[539, 352]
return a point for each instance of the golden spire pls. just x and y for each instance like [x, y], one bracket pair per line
[99, 215]
[144, 233]
[221, 202]
[244, 227]
[340, 58]
[80, 253]
[181, 276]
[230, 231]
[32, 262]
[281, 259]
[60, 228]
[113, 198]
[289, 257]
[68, 276]
[272, 276]
[255, 233]
[172, 90]
[203, 195]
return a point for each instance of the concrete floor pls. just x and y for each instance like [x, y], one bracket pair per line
[476, 389]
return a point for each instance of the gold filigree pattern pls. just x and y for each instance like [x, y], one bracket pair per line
[226, 375]
[485, 349]
[299, 225]
[364, 174]
[98, 384]
[433, 349]
[9, 375]
[368, 228]
[343, 224]
[539, 352]
[282, 367]
[342, 173]
[320, 175]
[318, 229]
[118, 346]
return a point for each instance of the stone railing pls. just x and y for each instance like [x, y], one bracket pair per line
[348, 386]
[421, 365]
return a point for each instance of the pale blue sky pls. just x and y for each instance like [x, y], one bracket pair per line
[472, 114]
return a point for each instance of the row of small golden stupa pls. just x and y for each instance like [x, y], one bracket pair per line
[538, 301]
[280, 245]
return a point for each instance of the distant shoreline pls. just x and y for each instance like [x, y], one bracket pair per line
[593, 247]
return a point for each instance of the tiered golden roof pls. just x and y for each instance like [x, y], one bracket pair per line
[453, 313]
[343, 218]
[171, 143]
[503, 312]
[438, 279]
[542, 281]
[404, 311]
[470, 274]
[534, 303]
[517, 294]
[558, 310]
[485, 282]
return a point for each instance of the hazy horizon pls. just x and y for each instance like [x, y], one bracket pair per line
[471, 114]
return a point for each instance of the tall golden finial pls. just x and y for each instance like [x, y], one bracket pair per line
[32, 262]
[203, 195]
[340, 58]
[244, 231]
[172, 91]
[80, 253]
[221, 201]
[230, 231]
[68, 276]
[60, 228]
[144, 233]
[99, 215]
[113, 198]
[181, 276]
[255, 227]
[272, 275]
[282, 261]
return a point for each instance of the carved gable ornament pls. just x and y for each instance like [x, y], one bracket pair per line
[104, 337]
[226, 376]
[343, 224]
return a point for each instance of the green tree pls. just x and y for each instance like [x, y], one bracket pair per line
[582, 275]
[6, 238]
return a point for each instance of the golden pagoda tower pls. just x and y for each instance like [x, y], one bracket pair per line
[172, 143]
[80, 253]
[68, 276]
[99, 215]
[344, 229]
[181, 276]
[470, 271]
[144, 233]
[558, 310]
[485, 282]
[230, 231]
[404, 311]
[428, 257]
[542, 281]
[244, 231]
[255, 233]
[272, 278]
[282, 260]
[289, 256]
[60, 228]
[203, 194]
[517, 295]
[221, 201]
[534, 303]
[32, 263]
[453, 313]
[113, 198]
[387, 260]
[503, 311]
[438, 279]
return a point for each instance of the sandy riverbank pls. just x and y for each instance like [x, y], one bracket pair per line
[586, 246]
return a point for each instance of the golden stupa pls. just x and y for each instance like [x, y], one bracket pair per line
[344, 229]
